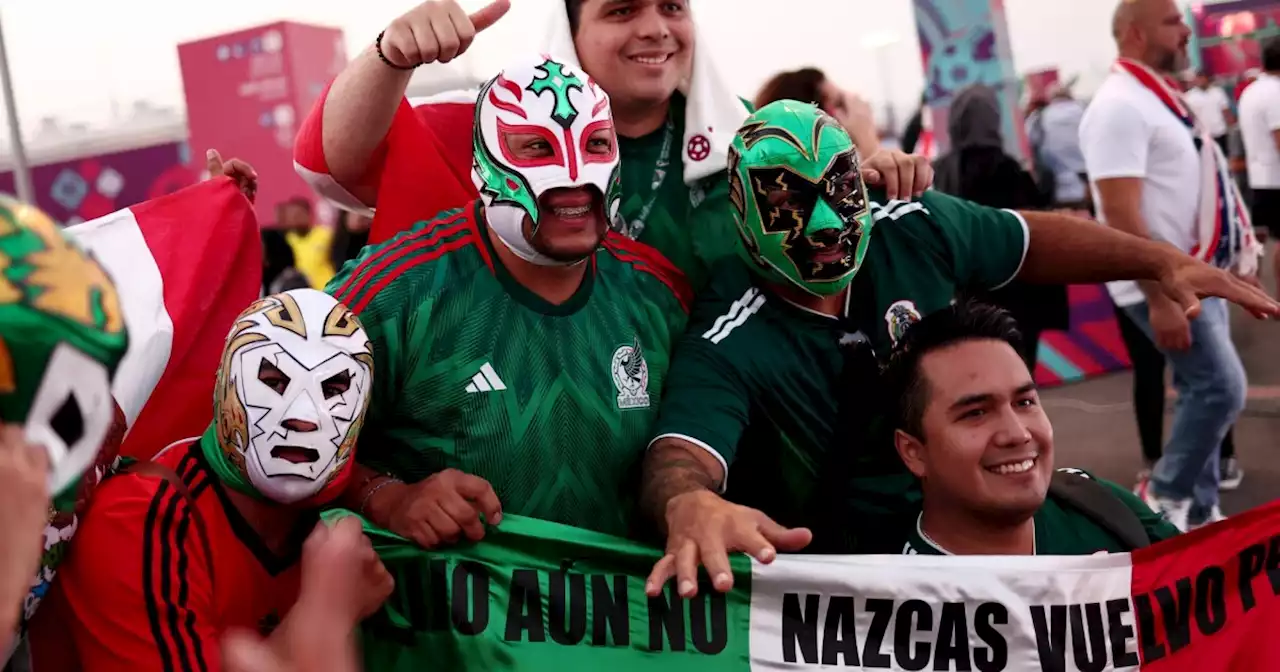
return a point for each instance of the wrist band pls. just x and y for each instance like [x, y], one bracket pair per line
[364, 502]
[378, 45]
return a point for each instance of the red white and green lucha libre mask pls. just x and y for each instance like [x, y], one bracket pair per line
[561, 106]
[62, 335]
[290, 398]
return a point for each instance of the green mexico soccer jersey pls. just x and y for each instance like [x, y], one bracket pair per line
[552, 404]
[1063, 530]
[756, 377]
[692, 226]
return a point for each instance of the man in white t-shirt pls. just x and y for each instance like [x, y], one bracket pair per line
[1260, 129]
[1211, 107]
[1144, 166]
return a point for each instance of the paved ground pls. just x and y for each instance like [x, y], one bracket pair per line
[1094, 427]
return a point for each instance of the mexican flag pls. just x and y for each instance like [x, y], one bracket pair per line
[185, 265]
[537, 596]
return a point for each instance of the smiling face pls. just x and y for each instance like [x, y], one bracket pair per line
[986, 444]
[292, 393]
[639, 50]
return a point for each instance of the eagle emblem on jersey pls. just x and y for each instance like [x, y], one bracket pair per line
[900, 316]
[631, 376]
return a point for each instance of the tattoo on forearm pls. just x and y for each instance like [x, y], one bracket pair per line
[668, 471]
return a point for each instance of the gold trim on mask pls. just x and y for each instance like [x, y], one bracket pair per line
[287, 315]
[340, 322]
[233, 419]
[353, 432]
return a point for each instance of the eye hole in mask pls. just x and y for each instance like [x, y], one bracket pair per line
[68, 421]
[336, 385]
[273, 377]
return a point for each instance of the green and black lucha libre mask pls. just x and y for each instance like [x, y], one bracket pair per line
[62, 335]
[798, 198]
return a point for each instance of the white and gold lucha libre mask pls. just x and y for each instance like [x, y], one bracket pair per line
[291, 396]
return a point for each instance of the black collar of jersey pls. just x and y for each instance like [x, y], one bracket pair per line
[274, 564]
[522, 294]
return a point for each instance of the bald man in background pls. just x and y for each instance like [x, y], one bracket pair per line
[1143, 154]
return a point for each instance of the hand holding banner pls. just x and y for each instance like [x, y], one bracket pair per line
[539, 596]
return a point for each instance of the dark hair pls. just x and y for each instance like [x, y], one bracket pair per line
[574, 7]
[960, 322]
[1271, 54]
[804, 85]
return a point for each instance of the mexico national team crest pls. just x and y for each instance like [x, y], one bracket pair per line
[900, 316]
[631, 376]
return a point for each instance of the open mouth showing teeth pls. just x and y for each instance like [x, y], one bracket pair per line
[1013, 467]
[295, 454]
[651, 60]
[569, 213]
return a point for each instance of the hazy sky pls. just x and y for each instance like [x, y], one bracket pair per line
[71, 58]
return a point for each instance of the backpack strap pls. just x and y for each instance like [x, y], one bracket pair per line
[1101, 505]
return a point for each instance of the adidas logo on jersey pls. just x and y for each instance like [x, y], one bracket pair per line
[486, 381]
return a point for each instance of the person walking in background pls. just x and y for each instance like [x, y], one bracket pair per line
[810, 85]
[1210, 105]
[978, 169]
[1260, 129]
[1148, 407]
[1054, 133]
[1157, 173]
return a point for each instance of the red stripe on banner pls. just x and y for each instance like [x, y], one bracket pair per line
[1210, 600]
[205, 241]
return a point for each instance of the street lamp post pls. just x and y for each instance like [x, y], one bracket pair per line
[21, 171]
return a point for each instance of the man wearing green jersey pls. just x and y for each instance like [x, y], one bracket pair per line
[675, 116]
[520, 349]
[971, 429]
[753, 392]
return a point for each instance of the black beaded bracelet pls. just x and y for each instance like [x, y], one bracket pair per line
[378, 45]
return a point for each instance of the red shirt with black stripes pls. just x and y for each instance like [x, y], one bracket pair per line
[138, 581]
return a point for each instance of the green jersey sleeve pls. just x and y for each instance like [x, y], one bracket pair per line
[986, 246]
[1158, 529]
[706, 400]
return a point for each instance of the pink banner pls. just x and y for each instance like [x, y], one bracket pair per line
[247, 93]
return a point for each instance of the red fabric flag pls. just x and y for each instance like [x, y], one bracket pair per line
[185, 265]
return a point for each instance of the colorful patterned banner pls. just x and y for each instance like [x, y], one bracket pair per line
[86, 188]
[1092, 347]
[966, 42]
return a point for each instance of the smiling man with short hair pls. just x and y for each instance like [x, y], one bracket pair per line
[971, 428]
